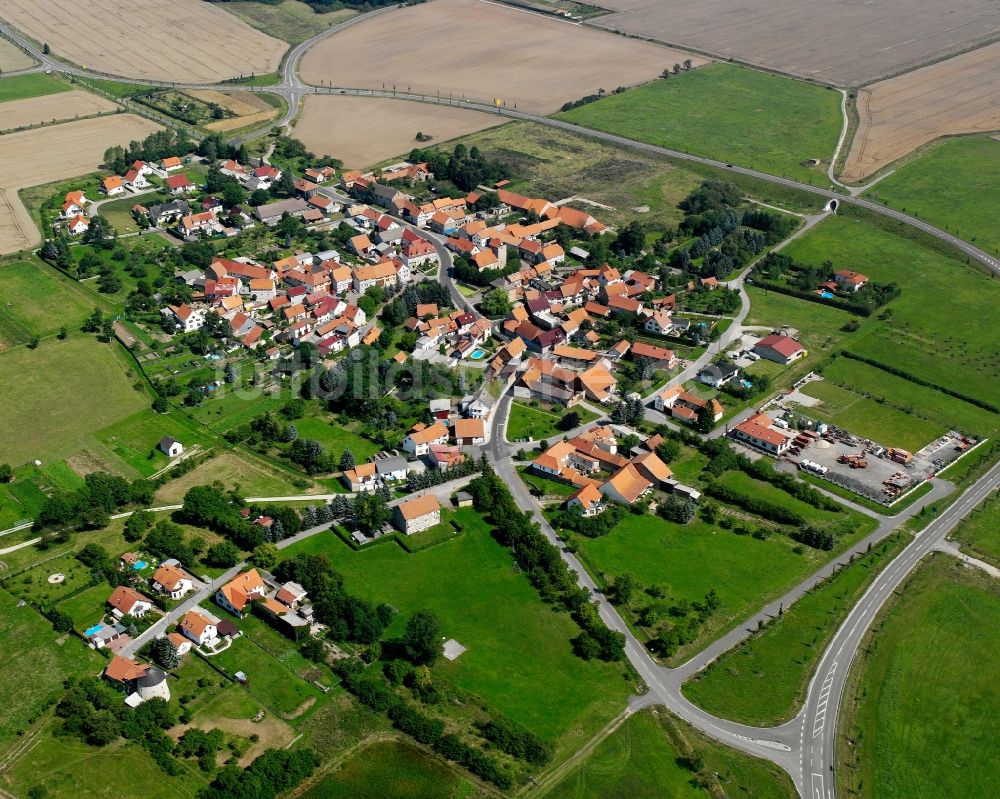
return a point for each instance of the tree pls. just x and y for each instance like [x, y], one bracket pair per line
[422, 638]
[346, 460]
[137, 524]
[6, 473]
[706, 418]
[62, 333]
[222, 555]
[288, 225]
[160, 404]
[265, 556]
[370, 512]
[495, 303]
[569, 420]
[45, 48]
[630, 239]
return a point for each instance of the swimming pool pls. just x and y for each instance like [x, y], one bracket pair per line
[139, 565]
[478, 354]
[826, 295]
[93, 630]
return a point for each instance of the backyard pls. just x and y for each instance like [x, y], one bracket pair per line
[536, 421]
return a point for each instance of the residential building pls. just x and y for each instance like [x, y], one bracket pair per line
[850, 281]
[627, 486]
[126, 601]
[780, 349]
[199, 628]
[171, 580]
[419, 440]
[362, 478]
[588, 501]
[417, 514]
[236, 595]
[469, 432]
[717, 374]
[760, 431]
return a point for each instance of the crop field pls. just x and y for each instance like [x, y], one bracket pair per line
[921, 333]
[390, 769]
[289, 20]
[36, 301]
[30, 647]
[12, 57]
[54, 153]
[193, 41]
[85, 387]
[921, 700]
[53, 108]
[471, 584]
[642, 760]
[870, 419]
[763, 681]
[249, 108]
[362, 131]
[729, 113]
[918, 402]
[899, 115]
[846, 44]
[954, 186]
[691, 559]
[979, 532]
[485, 51]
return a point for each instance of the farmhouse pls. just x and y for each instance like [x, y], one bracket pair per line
[759, 431]
[588, 501]
[419, 440]
[780, 349]
[417, 514]
[626, 486]
[236, 595]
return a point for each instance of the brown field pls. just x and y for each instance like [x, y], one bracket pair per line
[249, 108]
[363, 131]
[484, 51]
[183, 40]
[848, 43]
[52, 108]
[901, 114]
[13, 58]
[54, 153]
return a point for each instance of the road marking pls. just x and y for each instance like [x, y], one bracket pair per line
[764, 742]
[817, 786]
[824, 698]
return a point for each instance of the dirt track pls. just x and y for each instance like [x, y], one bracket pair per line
[183, 40]
[364, 131]
[52, 108]
[901, 114]
[54, 153]
[485, 51]
[847, 43]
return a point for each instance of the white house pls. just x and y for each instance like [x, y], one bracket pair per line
[170, 447]
[588, 501]
[77, 225]
[199, 628]
[417, 514]
[418, 441]
[125, 601]
[170, 580]
[659, 323]
[236, 595]
[189, 319]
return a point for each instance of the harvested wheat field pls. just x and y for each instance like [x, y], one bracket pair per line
[484, 51]
[847, 43]
[249, 108]
[901, 114]
[54, 153]
[183, 40]
[52, 108]
[362, 131]
[12, 57]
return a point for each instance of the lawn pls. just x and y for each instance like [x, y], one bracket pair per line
[642, 760]
[865, 417]
[690, 560]
[953, 186]
[19, 501]
[763, 681]
[134, 439]
[36, 661]
[912, 398]
[85, 386]
[118, 212]
[542, 422]
[38, 301]
[546, 485]
[922, 699]
[750, 487]
[21, 87]
[335, 438]
[34, 586]
[87, 607]
[289, 20]
[519, 658]
[729, 113]
[391, 769]
[979, 532]
[942, 327]
[254, 478]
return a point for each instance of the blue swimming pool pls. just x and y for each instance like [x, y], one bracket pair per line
[139, 565]
[93, 630]
[478, 354]
[826, 295]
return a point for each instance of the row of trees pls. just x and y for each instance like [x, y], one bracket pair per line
[91, 506]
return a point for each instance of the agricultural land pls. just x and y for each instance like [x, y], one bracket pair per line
[900, 115]
[845, 45]
[477, 64]
[13, 58]
[289, 20]
[195, 41]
